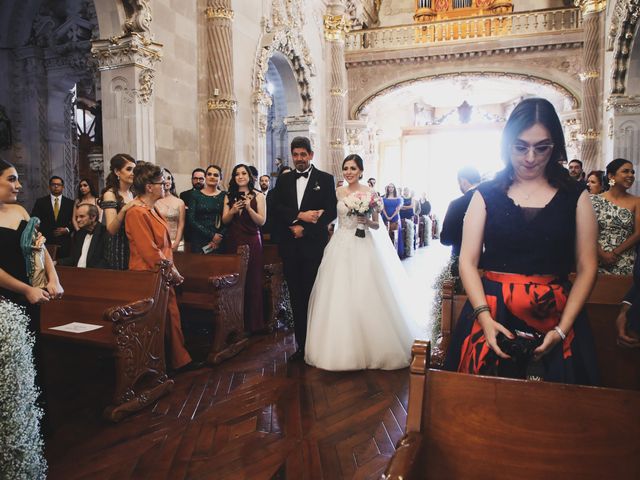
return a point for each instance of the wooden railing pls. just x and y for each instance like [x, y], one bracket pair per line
[465, 29]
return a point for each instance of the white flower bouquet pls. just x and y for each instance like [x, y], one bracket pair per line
[362, 204]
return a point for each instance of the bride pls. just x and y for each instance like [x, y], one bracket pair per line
[359, 310]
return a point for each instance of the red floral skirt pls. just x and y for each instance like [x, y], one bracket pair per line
[529, 303]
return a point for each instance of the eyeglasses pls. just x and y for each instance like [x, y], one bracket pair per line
[56, 185]
[157, 183]
[523, 149]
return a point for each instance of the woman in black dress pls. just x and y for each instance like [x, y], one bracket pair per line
[527, 229]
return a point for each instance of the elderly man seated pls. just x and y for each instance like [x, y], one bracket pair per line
[88, 245]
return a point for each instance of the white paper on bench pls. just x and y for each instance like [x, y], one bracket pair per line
[77, 327]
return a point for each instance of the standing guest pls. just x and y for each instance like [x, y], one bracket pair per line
[372, 183]
[197, 183]
[55, 212]
[173, 210]
[424, 222]
[88, 244]
[244, 213]
[407, 212]
[267, 228]
[204, 215]
[618, 214]
[451, 234]
[115, 201]
[577, 173]
[14, 278]
[87, 193]
[527, 229]
[596, 182]
[391, 215]
[305, 205]
[265, 183]
[149, 243]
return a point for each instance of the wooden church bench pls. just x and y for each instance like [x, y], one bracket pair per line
[131, 308]
[215, 284]
[619, 367]
[275, 298]
[472, 427]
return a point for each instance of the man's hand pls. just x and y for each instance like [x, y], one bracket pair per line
[310, 216]
[297, 230]
[60, 232]
[625, 338]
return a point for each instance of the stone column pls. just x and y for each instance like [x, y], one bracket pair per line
[592, 82]
[299, 126]
[336, 24]
[623, 130]
[221, 105]
[261, 103]
[127, 74]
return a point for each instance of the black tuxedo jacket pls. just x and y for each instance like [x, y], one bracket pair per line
[96, 257]
[44, 211]
[320, 194]
[451, 233]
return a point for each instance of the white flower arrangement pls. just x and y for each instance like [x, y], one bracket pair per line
[362, 204]
[21, 446]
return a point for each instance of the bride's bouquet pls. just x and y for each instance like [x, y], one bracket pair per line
[362, 204]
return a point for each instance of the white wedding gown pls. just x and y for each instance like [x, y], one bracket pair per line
[361, 311]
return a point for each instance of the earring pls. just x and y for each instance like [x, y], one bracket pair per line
[612, 182]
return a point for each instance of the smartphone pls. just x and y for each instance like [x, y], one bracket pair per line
[207, 249]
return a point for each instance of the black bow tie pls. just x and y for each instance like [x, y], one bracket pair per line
[302, 174]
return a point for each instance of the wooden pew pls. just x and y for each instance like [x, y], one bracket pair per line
[619, 367]
[215, 283]
[131, 308]
[472, 427]
[275, 295]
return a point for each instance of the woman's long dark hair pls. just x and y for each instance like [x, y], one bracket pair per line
[614, 165]
[234, 191]
[92, 189]
[386, 191]
[118, 161]
[5, 165]
[172, 190]
[526, 114]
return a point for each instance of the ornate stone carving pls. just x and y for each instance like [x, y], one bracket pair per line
[225, 104]
[584, 76]
[625, 17]
[335, 27]
[623, 105]
[218, 12]
[590, 134]
[590, 6]
[124, 51]
[338, 92]
[146, 85]
[138, 16]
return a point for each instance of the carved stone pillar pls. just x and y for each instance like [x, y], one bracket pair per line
[221, 105]
[299, 126]
[361, 140]
[623, 130]
[261, 103]
[592, 82]
[127, 71]
[336, 24]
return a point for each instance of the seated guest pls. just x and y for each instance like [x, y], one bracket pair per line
[87, 193]
[149, 243]
[526, 230]
[451, 234]
[88, 244]
[55, 212]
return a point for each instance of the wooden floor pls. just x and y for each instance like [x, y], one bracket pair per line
[256, 416]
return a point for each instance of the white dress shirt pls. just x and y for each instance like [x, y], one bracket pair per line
[82, 262]
[301, 185]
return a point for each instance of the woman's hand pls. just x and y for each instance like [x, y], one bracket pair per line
[54, 289]
[237, 207]
[216, 241]
[39, 241]
[362, 219]
[36, 295]
[608, 258]
[491, 328]
[551, 339]
[177, 279]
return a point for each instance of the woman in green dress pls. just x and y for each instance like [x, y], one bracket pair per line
[204, 215]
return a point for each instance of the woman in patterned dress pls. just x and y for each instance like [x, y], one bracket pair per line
[618, 220]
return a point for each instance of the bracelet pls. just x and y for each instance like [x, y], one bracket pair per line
[478, 310]
[560, 332]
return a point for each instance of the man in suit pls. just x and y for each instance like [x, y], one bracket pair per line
[451, 234]
[88, 245]
[304, 202]
[197, 184]
[55, 212]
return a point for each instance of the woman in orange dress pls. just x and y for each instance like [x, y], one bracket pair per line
[149, 243]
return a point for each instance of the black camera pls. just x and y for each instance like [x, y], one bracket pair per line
[521, 347]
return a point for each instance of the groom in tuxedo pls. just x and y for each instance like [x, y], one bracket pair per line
[304, 202]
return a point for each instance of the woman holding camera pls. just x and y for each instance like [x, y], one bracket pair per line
[245, 212]
[527, 229]
[204, 215]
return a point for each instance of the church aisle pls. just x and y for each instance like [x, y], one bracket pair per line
[254, 417]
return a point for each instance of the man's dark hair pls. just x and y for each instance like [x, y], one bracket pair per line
[265, 176]
[469, 174]
[253, 170]
[301, 142]
[575, 160]
[198, 170]
[371, 178]
[55, 177]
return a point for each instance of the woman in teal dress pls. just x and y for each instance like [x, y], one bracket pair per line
[204, 215]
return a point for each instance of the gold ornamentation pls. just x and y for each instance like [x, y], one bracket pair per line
[337, 143]
[127, 50]
[584, 76]
[338, 92]
[590, 6]
[218, 12]
[335, 27]
[146, 85]
[590, 134]
[222, 104]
